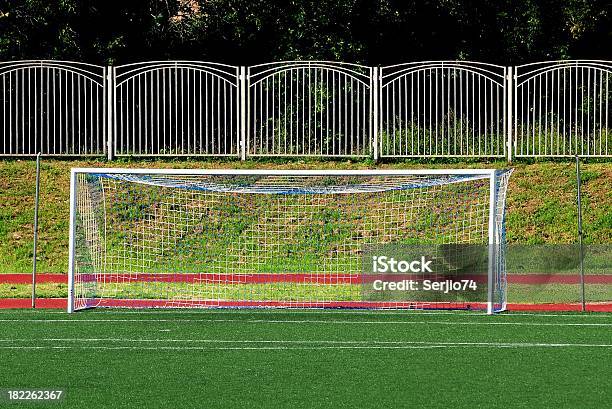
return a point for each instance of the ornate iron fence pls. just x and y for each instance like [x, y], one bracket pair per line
[52, 107]
[311, 108]
[307, 108]
[443, 109]
[176, 108]
[562, 108]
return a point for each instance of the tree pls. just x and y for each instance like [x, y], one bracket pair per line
[254, 31]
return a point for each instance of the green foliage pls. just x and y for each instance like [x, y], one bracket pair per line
[451, 135]
[540, 139]
[252, 31]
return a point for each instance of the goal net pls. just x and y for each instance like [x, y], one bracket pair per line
[285, 239]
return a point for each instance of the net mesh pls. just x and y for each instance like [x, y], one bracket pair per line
[159, 240]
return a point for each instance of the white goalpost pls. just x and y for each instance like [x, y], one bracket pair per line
[176, 238]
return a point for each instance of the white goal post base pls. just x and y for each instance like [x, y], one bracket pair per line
[177, 238]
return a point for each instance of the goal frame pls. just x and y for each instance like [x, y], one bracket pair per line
[491, 173]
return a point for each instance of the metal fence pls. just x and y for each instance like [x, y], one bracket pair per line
[562, 108]
[176, 108]
[307, 108]
[52, 107]
[443, 109]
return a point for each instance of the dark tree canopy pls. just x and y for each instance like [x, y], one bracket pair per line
[255, 31]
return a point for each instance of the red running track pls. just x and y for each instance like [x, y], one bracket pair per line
[312, 278]
[295, 278]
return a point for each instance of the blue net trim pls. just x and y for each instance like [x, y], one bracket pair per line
[215, 183]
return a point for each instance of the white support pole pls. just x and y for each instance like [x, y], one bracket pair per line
[110, 105]
[243, 113]
[492, 243]
[71, 241]
[509, 108]
[36, 200]
[375, 105]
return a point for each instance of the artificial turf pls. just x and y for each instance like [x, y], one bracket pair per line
[309, 358]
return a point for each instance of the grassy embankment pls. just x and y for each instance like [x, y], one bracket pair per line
[541, 205]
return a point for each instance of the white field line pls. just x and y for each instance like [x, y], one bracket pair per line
[308, 345]
[414, 313]
[221, 311]
[320, 342]
[340, 322]
[288, 311]
[209, 348]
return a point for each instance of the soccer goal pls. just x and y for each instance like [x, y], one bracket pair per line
[283, 238]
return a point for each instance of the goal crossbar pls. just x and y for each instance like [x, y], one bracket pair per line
[289, 172]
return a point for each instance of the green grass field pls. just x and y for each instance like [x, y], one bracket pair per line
[323, 359]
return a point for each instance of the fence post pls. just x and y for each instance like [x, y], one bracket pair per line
[374, 89]
[243, 112]
[109, 84]
[580, 234]
[509, 108]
